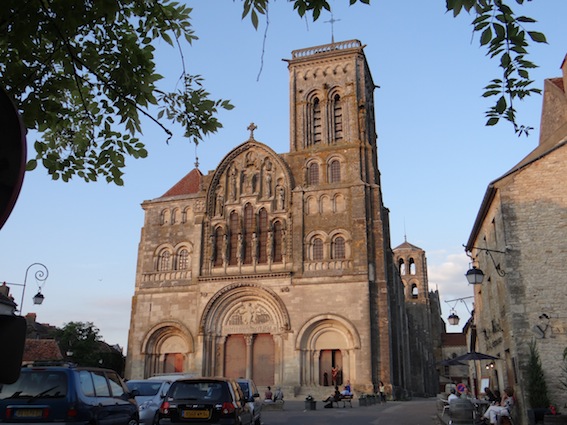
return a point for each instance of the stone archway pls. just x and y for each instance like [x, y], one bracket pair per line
[242, 327]
[168, 348]
[325, 342]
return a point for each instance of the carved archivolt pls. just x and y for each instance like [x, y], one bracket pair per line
[252, 172]
[160, 334]
[245, 308]
[320, 325]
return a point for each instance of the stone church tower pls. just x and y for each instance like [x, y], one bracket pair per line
[275, 266]
[423, 310]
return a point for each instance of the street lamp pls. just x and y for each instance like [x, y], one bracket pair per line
[41, 273]
[453, 319]
[474, 275]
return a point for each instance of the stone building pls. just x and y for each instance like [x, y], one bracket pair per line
[275, 266]
[425, 326]
[519, 242]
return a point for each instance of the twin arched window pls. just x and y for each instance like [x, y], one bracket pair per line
[166, 261]
[332, 114]
[333, 172]
[317, 248]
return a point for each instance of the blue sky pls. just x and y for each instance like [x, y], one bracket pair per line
[435, 155]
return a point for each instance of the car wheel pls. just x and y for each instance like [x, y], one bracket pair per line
[133, 421]
[156, 419]
[258, 421]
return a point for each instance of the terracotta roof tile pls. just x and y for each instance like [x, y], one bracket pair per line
[187, 185]
[41, 349]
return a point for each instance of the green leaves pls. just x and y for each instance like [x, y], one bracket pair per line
[505, 38]
[82, 72]
[192, 108]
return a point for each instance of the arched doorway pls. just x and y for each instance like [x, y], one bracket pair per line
[243, 326]
[168, 348]
[327, 342]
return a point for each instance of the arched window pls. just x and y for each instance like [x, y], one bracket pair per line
[316, 121]
[414, 291]
[337, 118]
[278, 242]
[411, 266]
[402, 266]
[338, 251]
[183, 259]
[234, 230]
[249, 229]
[164, 260]
[262, 236]
[317, 249]
[335, 171]
[219, 247]
[313, 174]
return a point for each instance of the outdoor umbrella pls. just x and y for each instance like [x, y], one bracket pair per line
[474, 356]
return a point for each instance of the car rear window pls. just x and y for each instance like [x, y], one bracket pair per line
[199, 390]
[145, 389]
[244, 386]
[36, 384]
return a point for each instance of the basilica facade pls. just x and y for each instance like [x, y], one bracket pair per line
[278, 267]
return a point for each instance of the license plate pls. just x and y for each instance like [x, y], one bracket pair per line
[192, 414]
[28, 413]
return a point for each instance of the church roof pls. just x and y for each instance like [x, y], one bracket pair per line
[187, 185]
[407, 245]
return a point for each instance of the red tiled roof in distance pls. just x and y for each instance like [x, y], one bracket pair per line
[187, 185]
[41, 349]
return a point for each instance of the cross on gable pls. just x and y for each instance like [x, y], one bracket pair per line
[252, 127]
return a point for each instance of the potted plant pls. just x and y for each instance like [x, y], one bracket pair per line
[310, 403]
[555, 417]
[538, 397]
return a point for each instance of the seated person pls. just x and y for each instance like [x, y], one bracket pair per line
[336, 396]
[347, 391]
[453, 395]
[278, 395]
[490, 396]
[494, 412]
[268, 394]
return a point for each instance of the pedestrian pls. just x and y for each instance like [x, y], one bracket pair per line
[382, 390]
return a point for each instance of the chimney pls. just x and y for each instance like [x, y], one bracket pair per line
[30, 317]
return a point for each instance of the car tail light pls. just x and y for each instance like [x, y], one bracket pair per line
[45, 413]
[227, 408]
[9, 412]
[72, 412]
[164, 408]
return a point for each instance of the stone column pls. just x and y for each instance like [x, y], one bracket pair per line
[219, 355]
[249, 352]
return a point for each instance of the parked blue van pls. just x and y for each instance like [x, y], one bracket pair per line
[67, 394]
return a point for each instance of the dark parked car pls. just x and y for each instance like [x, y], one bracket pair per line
[205, 401]
[66, 393]
[250, 391]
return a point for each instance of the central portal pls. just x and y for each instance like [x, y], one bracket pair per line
[250, 356]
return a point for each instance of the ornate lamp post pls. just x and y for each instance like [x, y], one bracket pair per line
[41, 273]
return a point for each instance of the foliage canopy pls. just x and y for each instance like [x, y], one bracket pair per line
[82, 73]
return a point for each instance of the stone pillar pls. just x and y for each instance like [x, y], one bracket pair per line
[219, 355]
[249, 352]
